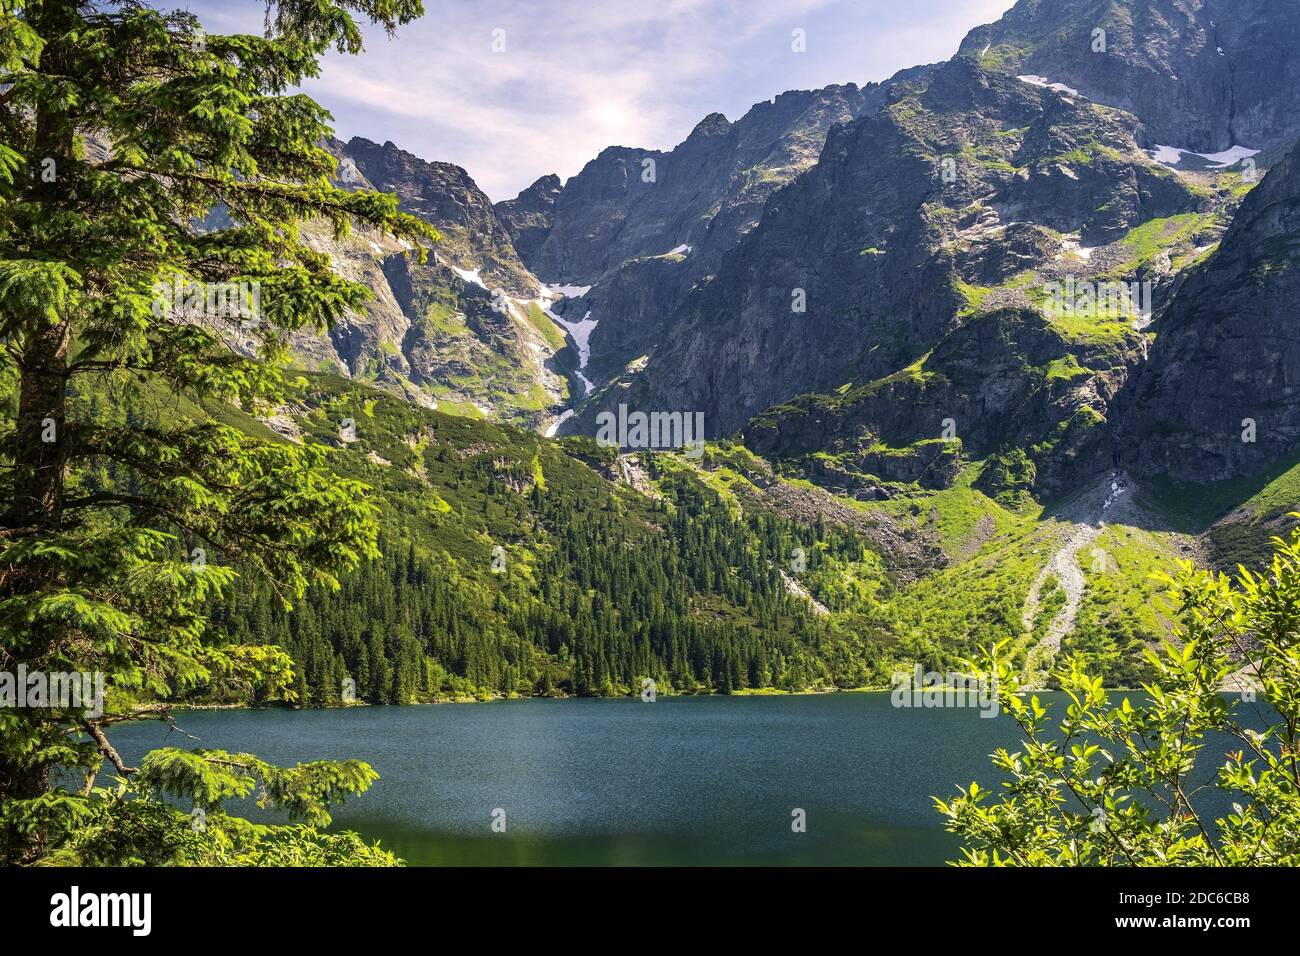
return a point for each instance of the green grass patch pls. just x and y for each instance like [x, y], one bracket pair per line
[1065, 369]
[1145, 242]
[549, 331]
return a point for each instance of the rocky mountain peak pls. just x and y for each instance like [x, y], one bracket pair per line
[434, 191]
[715, 124]
[919, 220]
[961, 199]
[530, 215]
[548, 184]
[1203, 75]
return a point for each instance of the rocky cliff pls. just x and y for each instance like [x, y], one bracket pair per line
[968, 192]
[1220, 396]
[1203, 75]
[530, 216]
[465, 331]
[629, 203]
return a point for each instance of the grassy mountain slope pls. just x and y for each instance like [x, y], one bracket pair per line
[519, 565]
[541, 570]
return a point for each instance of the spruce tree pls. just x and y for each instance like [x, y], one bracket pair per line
[122, 130]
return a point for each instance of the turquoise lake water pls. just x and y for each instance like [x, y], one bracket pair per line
[682, 780]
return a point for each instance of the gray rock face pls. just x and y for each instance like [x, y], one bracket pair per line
[590, 214]
[990, 385]
[1203, 75]
[707, 192]
[644, 227]
[1227, 351]
[445, 195]
[530, 216]
[881, 244]
[438, 332]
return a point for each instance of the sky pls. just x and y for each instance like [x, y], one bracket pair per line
[514, 89]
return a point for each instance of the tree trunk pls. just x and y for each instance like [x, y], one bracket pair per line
[39, 455]
[21, 780]
[40, 441]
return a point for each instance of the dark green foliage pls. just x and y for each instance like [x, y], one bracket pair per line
[121, 128]
[600, 586]
[1119, 782]
[1009, 477]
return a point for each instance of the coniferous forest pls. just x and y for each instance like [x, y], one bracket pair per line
[598, 594]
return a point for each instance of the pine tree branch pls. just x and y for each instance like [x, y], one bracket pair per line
[92, 727]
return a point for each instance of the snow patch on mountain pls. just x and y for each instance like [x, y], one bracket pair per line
[1034, 80]
[554, 426]
[1074, 245]
[565, 291]
[1173, 155]
[580, 331]
[468, 275]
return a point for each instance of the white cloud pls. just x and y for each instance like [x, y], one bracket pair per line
[568, 84]
[578, 76]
